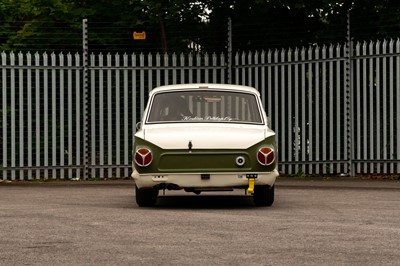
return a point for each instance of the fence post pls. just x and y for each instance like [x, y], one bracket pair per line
[349, 100]
[85, 98]
[5, 128]
[229, 51]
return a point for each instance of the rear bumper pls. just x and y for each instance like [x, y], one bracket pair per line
[194, 180]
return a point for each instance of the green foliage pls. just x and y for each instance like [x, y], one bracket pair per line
[44, 24]
[300, 173]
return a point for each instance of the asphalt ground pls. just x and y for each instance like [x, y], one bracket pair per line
[312, 222]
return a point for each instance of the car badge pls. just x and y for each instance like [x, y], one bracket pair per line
[190, 146]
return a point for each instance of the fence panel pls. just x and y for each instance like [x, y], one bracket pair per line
[38, 106]
[376, 109]
[119, 88]
[303, 92]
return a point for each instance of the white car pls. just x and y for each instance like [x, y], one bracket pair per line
[204, 137]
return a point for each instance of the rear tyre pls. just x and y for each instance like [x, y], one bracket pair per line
[146, 197]
[264, 195]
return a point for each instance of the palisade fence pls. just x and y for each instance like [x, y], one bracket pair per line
[334, 112]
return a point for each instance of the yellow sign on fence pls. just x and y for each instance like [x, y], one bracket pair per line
[139, 35]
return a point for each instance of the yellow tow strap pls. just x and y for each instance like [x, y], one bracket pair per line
[250, 189]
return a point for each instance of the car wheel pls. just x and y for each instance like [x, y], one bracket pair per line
[146, 197]
[264, 195]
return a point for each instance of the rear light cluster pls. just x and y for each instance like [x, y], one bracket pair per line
[266, 156]
[143, 157]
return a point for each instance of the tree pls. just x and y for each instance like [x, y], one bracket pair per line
[56, 24]
[40, 24]
[266, 24]
[179, 25]
[173, 17]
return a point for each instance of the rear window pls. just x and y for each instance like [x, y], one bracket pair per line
[204, 107]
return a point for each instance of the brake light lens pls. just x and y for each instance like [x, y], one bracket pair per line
[266, 156]
[143, 157]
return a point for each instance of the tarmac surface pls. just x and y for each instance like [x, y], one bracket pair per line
[312, 222]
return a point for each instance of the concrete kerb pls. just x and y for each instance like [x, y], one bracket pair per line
[284, 182]
[338, 183]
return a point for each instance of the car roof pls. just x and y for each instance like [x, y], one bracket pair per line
[207, 86]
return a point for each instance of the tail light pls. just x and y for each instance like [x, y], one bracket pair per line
[266, 156]
[143, 157]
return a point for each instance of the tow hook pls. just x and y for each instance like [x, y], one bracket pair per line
[251, 178]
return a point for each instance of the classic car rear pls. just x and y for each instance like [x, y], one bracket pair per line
[204, 137]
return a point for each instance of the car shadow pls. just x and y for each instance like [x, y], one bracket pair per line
[204, 202]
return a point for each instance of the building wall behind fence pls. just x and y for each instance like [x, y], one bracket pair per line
[304, 92]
